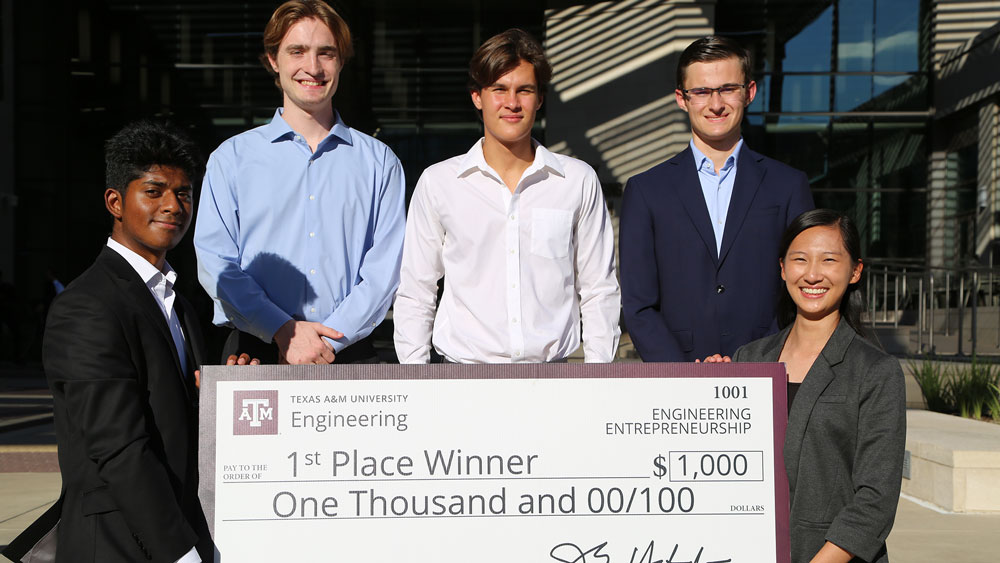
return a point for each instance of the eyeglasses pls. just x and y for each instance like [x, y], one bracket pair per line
[729, 92]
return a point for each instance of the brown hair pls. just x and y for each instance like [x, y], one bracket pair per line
[502, 53]
[714, 48]
[294, 11]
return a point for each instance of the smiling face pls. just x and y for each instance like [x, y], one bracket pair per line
[153, 213]
[817, 270]
[308, 64]
[509, 106]
[715, 121]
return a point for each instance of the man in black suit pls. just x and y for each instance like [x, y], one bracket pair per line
[120, 353]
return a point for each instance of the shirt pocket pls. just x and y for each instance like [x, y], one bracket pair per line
[551, 232]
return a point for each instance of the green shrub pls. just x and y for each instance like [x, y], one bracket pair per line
[994, 403]
[973, 387]
[934, 386]
[970, 390]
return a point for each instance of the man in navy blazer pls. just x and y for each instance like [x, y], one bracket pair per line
[699, 232]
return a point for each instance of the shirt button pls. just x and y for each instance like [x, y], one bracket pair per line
[312, 197]
[514, 321]
[312, 310]
[313, 271]
[512, 217]
[720, 288]
[312, 235]
[517, 353]
[512, 252]
[513, 285]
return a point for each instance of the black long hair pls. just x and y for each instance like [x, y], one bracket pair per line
[852, 303]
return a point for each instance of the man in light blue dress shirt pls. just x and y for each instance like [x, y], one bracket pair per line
[300, 223]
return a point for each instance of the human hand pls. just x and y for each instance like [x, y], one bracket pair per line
[232, 360]
[301, 342]
[243, 360]
[716, 359]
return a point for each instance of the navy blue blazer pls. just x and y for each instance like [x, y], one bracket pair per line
[683, 299]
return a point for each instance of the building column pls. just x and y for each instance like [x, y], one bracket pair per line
[988, 178]
[940, 232]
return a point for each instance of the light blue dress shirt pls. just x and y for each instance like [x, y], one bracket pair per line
[717, 188]
[287, 233]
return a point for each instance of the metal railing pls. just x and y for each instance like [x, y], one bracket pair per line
[896, 292]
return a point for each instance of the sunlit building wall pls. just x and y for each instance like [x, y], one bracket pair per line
[956, 22]
[611, 102]
[889, 106]
[965, 206]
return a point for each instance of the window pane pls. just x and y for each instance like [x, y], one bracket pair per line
[896, 35]
[852, 91]
[805, 93]
[799, 141]
[878, 174]
[809, 51]
[855, 48]
[760, 101]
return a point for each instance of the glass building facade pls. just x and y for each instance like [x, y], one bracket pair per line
[844, 94]
[847, 93]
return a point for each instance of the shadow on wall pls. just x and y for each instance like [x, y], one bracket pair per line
[611, 102]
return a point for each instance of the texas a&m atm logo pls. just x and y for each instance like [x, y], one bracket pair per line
[255, 412]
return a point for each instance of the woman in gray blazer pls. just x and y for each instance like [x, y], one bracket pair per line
[846, 429]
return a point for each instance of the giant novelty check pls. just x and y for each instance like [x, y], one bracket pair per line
[636, 463]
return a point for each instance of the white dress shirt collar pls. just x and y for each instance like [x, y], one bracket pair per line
[474, 160]
[161, 285]
[146, 271]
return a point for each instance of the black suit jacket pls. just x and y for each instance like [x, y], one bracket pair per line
[126, 422]
[843, 445]
[683, 298]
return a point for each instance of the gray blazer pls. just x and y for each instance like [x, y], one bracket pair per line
[843, 445]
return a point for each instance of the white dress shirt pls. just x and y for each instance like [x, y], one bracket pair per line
[161, 285]
[520, 269]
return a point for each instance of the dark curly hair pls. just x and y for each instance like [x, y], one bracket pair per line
[140, 145]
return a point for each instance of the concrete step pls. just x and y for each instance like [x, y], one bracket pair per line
[954, 462]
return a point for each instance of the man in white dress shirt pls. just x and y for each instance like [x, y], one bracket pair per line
[521, 235]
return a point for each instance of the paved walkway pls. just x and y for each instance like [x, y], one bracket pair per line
[923, 535]
[25, 497]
